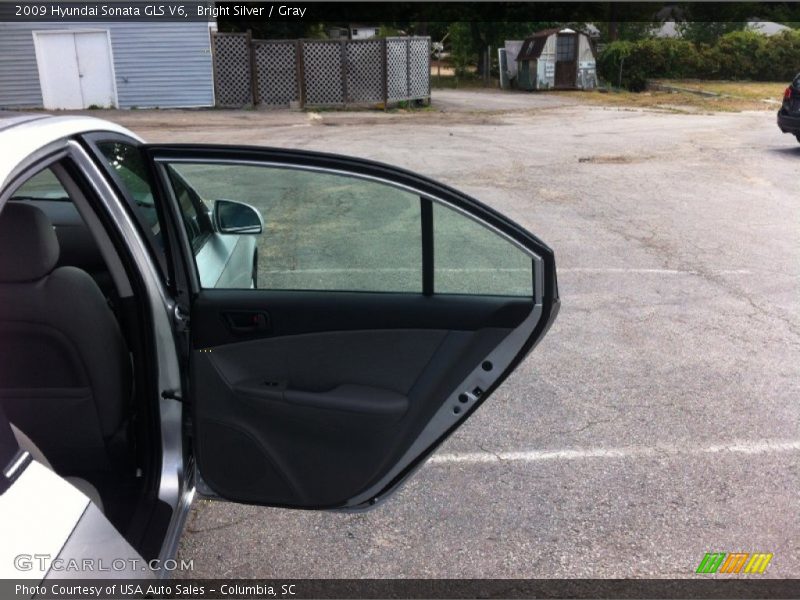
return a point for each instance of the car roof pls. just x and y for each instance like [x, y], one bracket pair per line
[10, 119]
[22, 134]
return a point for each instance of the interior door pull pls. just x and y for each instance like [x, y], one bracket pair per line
[241, 321]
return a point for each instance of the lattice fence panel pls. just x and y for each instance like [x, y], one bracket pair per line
[322, 64]
[276, 72]
[397, 68]
[364, 71]
[326, 78]
[232, 83]
[419, 67]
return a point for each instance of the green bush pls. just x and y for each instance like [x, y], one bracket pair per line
[780, 57]
[631, 64]
[735, 55]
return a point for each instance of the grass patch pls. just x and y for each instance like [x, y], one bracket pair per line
[733, 96]
[744, 90]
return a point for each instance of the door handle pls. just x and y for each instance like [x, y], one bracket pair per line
[247, 321]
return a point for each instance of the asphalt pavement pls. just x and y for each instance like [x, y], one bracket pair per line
[659, 418]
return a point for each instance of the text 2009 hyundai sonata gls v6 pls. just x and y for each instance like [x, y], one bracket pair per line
[266, 326]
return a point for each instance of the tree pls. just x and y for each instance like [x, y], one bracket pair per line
[627, 30]
[629, 21]
[707, 32]
[461, 47]
[470, 41]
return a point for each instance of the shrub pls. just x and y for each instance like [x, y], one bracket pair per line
[779, 59]
[631, 64]
[735, 55]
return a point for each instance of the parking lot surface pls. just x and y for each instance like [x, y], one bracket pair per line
[659, 418]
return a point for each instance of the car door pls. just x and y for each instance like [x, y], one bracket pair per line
[388, 308]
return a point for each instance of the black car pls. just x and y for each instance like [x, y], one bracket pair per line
[789, 114]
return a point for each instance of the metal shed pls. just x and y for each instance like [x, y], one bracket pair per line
[122, 64]
[556, 58]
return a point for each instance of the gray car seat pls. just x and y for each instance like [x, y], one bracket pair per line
[65, 371]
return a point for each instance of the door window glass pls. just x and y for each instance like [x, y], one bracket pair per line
[194, 212]
[42, 186]
[321, 231]
[128, 169]
[127, 163]
[472, 259]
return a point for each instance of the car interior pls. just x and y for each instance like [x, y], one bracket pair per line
[71, 376]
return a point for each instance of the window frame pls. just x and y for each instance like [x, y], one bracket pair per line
[542, 262]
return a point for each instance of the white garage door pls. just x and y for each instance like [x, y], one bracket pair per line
[75, 69]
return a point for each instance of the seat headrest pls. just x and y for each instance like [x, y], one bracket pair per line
[28, 245]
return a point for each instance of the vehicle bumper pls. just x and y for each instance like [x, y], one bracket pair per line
[788, 123]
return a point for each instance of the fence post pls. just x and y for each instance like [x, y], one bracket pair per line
[343, 54]
[488, 73]
[384, 58]
[301, 73]
[214, 70]
[428, 72]
[408, 68]
[251, 54]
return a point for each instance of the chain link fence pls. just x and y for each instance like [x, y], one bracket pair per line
[283, 73]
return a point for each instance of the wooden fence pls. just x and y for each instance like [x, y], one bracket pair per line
[319, 72]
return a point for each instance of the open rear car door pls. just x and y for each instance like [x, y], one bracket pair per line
[383, 310]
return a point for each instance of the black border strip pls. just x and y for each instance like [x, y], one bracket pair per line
[242, 15]
[705, 588]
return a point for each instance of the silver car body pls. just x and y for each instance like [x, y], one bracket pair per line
[73, 523]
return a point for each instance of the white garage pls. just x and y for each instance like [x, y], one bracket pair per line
[76, 69]
[105, 64]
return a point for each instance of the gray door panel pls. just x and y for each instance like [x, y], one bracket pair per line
[312, 420]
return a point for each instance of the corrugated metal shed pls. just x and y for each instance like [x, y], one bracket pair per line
[532, 47]
[166, 65]
[556, 58]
